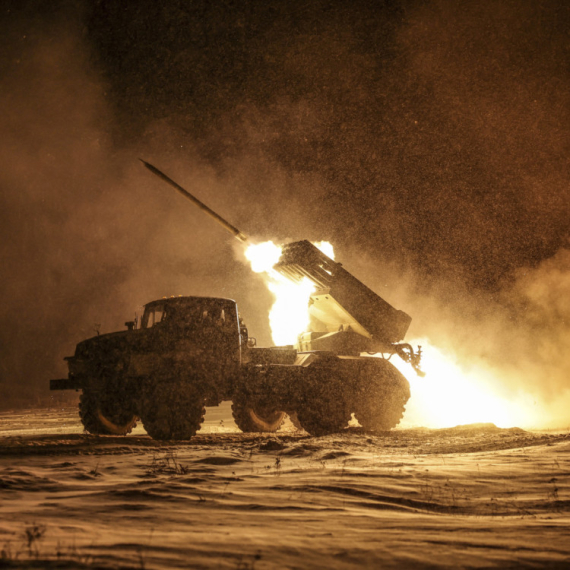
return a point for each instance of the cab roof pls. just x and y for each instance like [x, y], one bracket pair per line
[189, 300]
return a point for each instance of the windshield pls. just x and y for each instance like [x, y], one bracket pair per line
[152, 316]
[203, 313]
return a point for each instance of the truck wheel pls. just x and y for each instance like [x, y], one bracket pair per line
[255, 419]
[382, 397]
[324, 410]
[101, 415]
[295, 420]
[318, 421]
[172, 410]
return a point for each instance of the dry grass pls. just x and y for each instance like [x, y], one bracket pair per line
[166, 463]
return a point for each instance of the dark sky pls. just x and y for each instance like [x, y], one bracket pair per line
[429, 141]
[441, 128]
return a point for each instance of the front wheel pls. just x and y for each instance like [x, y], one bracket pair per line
[172, 410]
[101, 413]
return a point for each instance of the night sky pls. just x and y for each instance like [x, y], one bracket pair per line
[428, 141]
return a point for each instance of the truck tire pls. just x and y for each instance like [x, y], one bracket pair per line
[325, 420]
[295, 420]
[382, 396]
[323, 409]
[255, 419]
[102, 415]
[172, 410]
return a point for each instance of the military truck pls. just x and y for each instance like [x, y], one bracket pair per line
[186, 353]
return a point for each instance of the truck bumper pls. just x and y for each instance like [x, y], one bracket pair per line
[65, 384]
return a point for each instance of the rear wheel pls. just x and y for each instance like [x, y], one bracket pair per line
[172, 410]
[102, 413]
[381, 397]
[254, 417]
[323, 409]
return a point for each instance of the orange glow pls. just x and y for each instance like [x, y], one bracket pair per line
[289, 315]
[452, 394]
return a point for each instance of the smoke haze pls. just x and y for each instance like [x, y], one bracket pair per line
[427, 141]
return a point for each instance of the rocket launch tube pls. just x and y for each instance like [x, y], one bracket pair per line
[232, 229]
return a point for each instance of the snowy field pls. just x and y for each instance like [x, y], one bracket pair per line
[472, 497]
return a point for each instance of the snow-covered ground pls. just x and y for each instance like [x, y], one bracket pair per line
[472, 496]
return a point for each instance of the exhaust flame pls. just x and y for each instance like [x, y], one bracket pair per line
[289, 316]
[263, 256]
[451, 395]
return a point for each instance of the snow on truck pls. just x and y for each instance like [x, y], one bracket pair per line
[187, 353]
